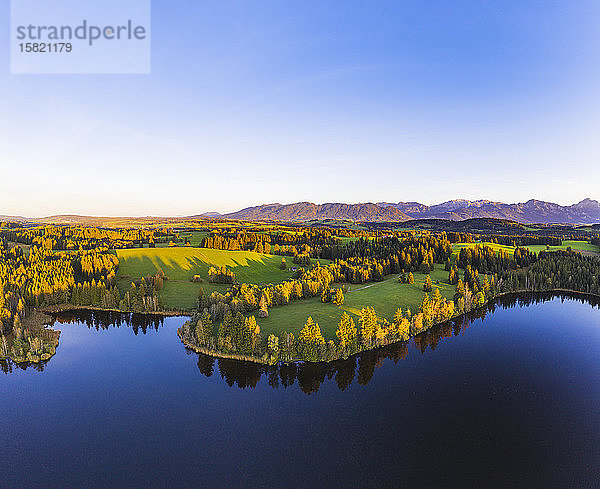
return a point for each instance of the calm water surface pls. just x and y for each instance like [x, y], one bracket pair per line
[512, 400]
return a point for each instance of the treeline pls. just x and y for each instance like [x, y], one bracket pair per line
[521, 240]
[305, 240]
[140, 297]
[554, 270]
[358, 270]
[525, 240]
[487, 260]
[315, 242]
[96, 264]
[411, 249]
[87, 238]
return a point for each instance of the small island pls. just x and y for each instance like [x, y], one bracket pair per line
[30, 341]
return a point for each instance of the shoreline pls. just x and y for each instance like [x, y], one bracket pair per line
[42, 319]
[228, 356]
[58, 308]
[40, 324]
[233, 356]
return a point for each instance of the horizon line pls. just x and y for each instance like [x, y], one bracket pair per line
[204, 213]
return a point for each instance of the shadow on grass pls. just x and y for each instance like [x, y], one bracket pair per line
[257, 269]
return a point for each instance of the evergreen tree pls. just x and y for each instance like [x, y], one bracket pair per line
[338, 297]
[427, 285]
[273, 349]
[263, 311]
[453, 276]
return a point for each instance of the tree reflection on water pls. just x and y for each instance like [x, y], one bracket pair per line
[310, 376]
[361, 367]
[105, 320]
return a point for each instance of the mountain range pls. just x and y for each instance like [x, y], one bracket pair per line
[533, 211]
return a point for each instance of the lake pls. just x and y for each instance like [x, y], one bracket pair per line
[509, 397]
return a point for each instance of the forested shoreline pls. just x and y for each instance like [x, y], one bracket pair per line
[239, 337]
[61, 267]
[361, 368]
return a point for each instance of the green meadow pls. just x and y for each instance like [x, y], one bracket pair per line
[195, 237]
[496, 247]
[347, 239]
[384, 296]
[574, 244]
[182, 263]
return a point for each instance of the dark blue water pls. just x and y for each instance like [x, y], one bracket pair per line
[512, 400]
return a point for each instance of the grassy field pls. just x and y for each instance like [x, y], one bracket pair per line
[575, 245]
[179, 294]
[181, 264]
[347, 239]
[496, 247]
[384, 296]
[195, 237]
[26, 248]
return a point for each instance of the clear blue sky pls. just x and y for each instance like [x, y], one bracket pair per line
[325, 101]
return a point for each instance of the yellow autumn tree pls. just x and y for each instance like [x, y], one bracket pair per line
[368, 325]
[311, 342]
[347, 333]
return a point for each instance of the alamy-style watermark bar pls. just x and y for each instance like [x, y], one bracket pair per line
[80, 36]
